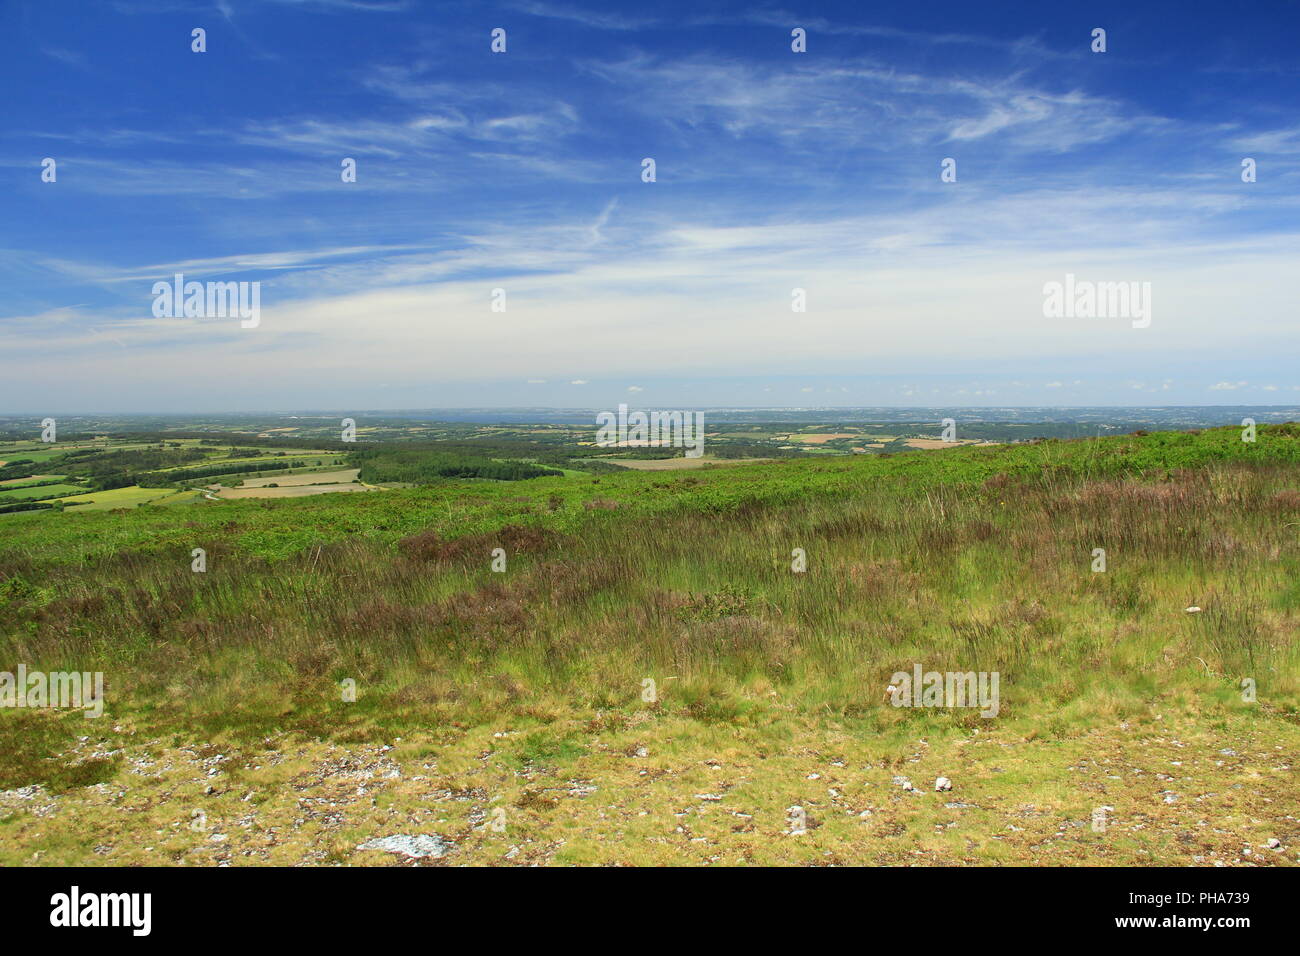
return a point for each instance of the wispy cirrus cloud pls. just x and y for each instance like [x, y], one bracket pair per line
[522, 171]
[348, 6]
[859, 106]
[600, 19]
[72, 58]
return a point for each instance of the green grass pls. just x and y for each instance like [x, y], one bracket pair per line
[967, 559]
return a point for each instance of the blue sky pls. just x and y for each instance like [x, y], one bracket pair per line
[522, 171]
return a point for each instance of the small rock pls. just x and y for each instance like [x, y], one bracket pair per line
[421, 845]
[943, 783]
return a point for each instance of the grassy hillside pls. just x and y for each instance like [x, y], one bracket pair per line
[522, 691]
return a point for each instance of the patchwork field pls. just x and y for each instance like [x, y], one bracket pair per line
[288, 491]
[296, 484]
[41, 451]
[119, 472]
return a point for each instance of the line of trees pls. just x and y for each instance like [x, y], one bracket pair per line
[25, 506]
[18, 468]
[156, 479]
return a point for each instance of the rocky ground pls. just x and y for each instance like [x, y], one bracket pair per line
[651, 789]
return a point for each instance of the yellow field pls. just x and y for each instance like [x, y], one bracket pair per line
[116, 498]
[289, 491]
[821, 438]
[339, 477]
[677, 464]
[929, 444]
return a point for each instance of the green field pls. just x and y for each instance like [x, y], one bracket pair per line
[41, 452]
[21, 493]
[38, 455]
[27, 482]
[116, 498]
[526, 691]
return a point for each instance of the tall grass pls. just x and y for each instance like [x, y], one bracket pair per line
[968, 559]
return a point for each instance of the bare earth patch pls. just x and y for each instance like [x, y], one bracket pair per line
[659, 788]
